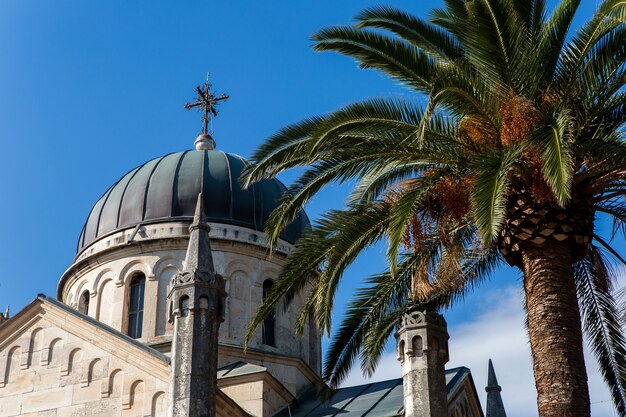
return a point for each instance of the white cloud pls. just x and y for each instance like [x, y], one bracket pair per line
[497, 331]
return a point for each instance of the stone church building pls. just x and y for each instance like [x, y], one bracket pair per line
[129, 329]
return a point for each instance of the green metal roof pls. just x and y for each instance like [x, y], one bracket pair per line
[166, 189]
[239, 368]
[378, 399]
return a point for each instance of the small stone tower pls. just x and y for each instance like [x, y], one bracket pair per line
[196, 297]
[495, 407]
[423, 351]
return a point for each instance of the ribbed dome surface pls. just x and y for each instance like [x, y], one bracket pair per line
[166, 189]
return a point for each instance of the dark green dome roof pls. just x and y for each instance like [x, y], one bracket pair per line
[166, 189]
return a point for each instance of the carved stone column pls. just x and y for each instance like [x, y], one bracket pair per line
[196, 298]
[423, 351]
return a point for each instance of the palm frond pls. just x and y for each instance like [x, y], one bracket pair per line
[556, 157]
[490, 189]
[609, 16]
[380, 303]
[601, 323]
[553, 35]
[421, 34]
[396, 58]
[405, 202]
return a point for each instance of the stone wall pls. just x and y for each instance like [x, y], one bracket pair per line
[54, 365]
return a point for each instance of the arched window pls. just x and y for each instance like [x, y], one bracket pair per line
[269, 324]
[135, 305]
[83, 303]
[184, 306]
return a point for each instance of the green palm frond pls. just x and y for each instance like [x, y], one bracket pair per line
[405, 204]
[531, 13]
[453, 18]
[371, 316]
[617, 210]
[379, 303]
[489, 40]
[284, 150]
[419, 33]
[489, 193]
[553, 34]
[395, 58]
[553, 140]
[602, 73]
[320, 257]
[609, 16]
[601, 323]
[376, 183]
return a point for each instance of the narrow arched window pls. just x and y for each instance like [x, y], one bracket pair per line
[184, 306]
[269, 324]
[83, 303]
[135, 305]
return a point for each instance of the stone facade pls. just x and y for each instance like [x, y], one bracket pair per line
[105, 269]
[61, 358]
[52, 363]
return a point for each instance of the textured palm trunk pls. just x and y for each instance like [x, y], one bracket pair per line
[555, 331]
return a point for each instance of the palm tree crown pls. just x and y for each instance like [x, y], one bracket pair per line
[519, 145]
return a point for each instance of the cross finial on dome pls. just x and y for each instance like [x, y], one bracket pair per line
[207, 102]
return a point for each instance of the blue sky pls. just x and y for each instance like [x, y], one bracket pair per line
[90, 90]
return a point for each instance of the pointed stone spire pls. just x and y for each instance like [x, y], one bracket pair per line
[196, 296]
[495, 407]
[199, 256]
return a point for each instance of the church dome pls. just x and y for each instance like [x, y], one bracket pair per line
[166, 189]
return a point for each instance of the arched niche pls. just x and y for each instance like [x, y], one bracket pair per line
[34, 348]
[158, 406]
[133, 400]
[112, 386]
[104, 274]
[164, 274]
[10, 365]
[52, 353]
[83, 285]
[239, 305]
[105, 301]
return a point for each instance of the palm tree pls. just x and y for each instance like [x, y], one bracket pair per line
[518, 147]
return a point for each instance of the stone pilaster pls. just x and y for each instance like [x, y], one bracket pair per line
[196, 296]
[423, 351]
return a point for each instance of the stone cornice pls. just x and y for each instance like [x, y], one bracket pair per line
[164, 237]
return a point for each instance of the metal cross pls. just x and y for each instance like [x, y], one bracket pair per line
[207, 103]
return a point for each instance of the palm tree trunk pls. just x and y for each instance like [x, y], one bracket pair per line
[555, 331]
